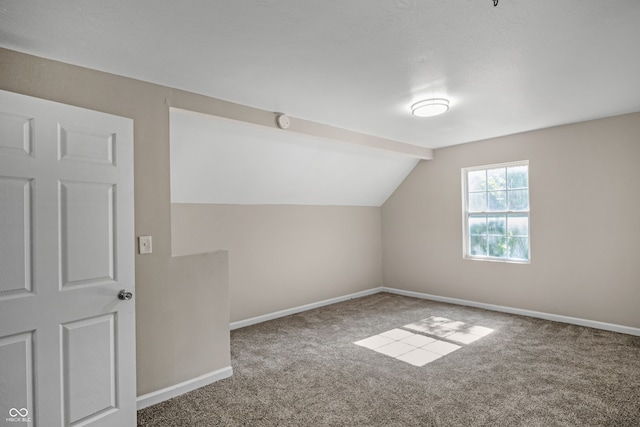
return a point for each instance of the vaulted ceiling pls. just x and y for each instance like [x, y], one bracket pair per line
[360, 64]
[221, 161]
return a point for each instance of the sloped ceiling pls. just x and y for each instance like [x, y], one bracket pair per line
[360, 64]
[222, 161]
[350, 64]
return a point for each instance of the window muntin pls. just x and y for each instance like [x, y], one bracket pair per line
[496, 212]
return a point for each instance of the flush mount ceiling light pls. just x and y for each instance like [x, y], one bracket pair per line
[430, 107]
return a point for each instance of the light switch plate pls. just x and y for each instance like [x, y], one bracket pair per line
[144, 245]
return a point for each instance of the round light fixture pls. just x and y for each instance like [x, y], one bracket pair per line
[430, 107]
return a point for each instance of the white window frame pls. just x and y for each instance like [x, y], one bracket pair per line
[466, 250]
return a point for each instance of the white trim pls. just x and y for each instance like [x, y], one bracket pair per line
[220, 374]
[183, 387]
[522, 312]
[466, 214]
[300, 309]
[497, 165]
[493, 307]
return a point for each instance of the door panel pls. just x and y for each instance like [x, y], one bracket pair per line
[67, 343]
[86, 233]
[15, 232]
[16, 370]
[89, 365]
[15, 134]
[85, 146]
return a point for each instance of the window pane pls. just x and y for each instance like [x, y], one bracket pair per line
[477, 180]
[519, 248]
[478, 224]
[518, 225]
[496, 224]
[517, 177]
[518, 200]
[497, 201]
[497, 212]
[497, 246]
[497, 179]
[478, 245]
[477, 202]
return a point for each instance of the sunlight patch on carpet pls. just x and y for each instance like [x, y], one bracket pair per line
[430, 339]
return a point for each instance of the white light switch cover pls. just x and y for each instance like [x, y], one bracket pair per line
[144, 245]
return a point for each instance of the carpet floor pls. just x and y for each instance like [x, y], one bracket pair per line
[305, 370]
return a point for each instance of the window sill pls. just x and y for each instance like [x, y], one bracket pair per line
[501, 260]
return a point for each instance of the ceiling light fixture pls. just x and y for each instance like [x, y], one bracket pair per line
[430, 107]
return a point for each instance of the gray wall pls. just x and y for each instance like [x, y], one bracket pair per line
[182, 305]
[283, 256]
[179, 301]
[585, 234]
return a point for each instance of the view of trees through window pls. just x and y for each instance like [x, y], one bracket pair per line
[497, 212]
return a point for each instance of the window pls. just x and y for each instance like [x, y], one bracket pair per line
[496, 212]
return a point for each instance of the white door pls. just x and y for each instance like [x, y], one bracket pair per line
[67, 342]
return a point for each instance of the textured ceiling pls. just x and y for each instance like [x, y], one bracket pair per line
[360, 64]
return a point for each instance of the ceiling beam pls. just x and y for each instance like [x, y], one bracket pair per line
[343, 135]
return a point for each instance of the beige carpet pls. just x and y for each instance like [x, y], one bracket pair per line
[305, 370]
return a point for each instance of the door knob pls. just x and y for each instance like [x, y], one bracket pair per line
[125, 295]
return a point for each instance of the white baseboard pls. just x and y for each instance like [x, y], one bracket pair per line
[184, 387]
[537, 314]
[493, 307]
[211, 377]
[300, 309]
